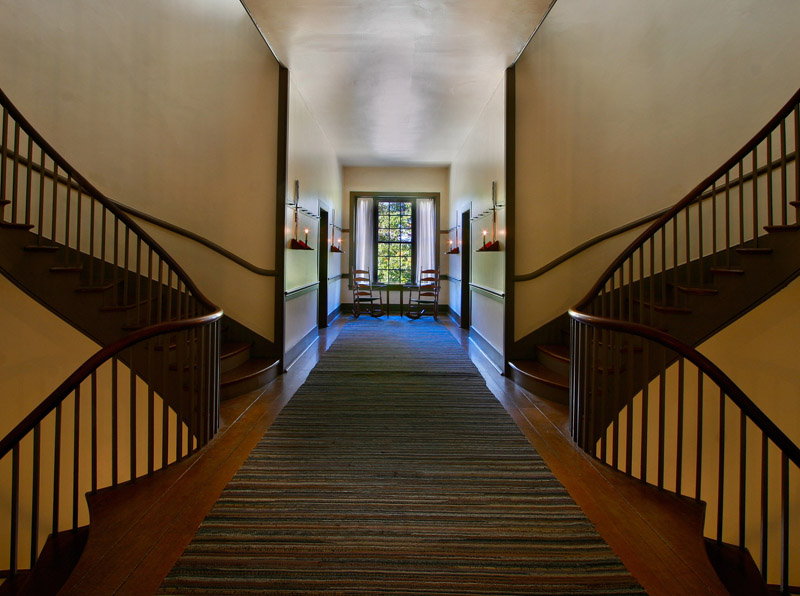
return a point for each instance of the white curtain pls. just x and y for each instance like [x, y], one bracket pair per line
[426, 235]
[363, 239]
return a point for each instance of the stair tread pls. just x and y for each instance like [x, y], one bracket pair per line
[727, 270]
[665, 308]
[40, 248]
[540, 372]
[123, 307]
[89, 289]
[558, 351]
[15, 226]
[697, 290]
[753, 250]
[248, 370]
[231, 348]
[783, 228]
[66, 269]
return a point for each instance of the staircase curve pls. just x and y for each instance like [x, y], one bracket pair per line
[148, 398]
[646, 402]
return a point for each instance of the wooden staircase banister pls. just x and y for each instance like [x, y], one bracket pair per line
[711, 370]
[690, 197]
[110, 204]
[58, 395]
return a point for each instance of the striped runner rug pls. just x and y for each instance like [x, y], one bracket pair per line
[394, 470]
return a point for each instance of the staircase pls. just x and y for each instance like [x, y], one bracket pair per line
[645, 402]
[148, 398]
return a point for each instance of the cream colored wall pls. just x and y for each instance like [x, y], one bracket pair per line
[312, 162]
[170, 107]
[479, 163]
[396, 179]
[622, 108]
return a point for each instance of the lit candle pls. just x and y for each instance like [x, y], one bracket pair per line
[306, 231]
[484, 239]
[339, 242]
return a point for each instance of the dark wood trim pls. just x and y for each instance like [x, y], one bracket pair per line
[454, 315]
[535, 30]
[338, 277]
[301, 291]
[281, 179]
[491, 353]
[511, 189]
[488, 292]
[334, 314]
[261, 33]
[297, 350]
[322, 266]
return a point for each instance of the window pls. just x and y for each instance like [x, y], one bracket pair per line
[394, 236]
[395, 242]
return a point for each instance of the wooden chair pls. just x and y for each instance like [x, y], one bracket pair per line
[425, 297]
[364, 298]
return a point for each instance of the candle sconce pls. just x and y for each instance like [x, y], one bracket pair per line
[337, 245]
[494, 244]
[454, 250]
[296, 243]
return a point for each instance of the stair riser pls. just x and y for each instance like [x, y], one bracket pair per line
[231, 362]
[540, 389]
[555, 364]
[237, 388]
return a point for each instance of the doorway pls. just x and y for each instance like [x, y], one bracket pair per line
[322, 294]
[466, 241]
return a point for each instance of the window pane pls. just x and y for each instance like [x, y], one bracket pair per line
[395, 237]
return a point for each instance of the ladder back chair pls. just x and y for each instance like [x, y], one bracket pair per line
[424, 299]
[364, 297]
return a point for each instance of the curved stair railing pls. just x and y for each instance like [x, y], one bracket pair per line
[144, 401]
[644, 401]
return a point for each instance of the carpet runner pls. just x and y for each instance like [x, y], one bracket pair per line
[394, 470]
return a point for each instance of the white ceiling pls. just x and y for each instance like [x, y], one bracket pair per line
[397, 82]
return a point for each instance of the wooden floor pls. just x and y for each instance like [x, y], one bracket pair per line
[139, 531]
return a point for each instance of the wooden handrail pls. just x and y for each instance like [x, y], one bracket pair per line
[93, 363]
[690, 197]
[711, 370]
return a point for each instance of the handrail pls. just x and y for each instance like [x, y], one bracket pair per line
[711, 370]
[95, 361]
[690, 197]
[97, 195]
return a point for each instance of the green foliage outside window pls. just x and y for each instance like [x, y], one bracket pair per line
[394, 242]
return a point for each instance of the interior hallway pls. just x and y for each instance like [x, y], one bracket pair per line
[656, 535]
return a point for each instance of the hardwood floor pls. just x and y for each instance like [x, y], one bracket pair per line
[139, 531]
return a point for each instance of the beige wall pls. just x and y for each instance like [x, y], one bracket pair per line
[622, 108]
[395, 179]
[479, 163]
[312, 162]
[170, 107]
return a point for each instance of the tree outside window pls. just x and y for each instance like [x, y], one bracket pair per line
[395, 241]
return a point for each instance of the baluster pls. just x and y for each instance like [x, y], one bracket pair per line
[132, 394]
[663, 300]
[40, 227]
[629, 413]
[35, 499]
[764, 503]
[169, 293]
[652, 297]
[14, 535]
[630, 288]
[126, 268]
[57, 471]
[784, 214]
[721, 481]
[151, 401]
[3, 160]
[28, 181]
[160, 286]
[755, 195]
[138, 280]
[770, 206]
[94, 430]
[193, 370]
[688, 234]
[591, 402]
[76, 449]
[797, 155]
[78, 228]
[741, 202]
[67, 217]
[115, 269]
[165, 408]
[784, 523]
[674, 260]
[114, 425]
[699, 463]
[713, 224]
[15, 174]
[103, 241]
[641, 283]
[700, 240]
[179, 406]
[679, 439]
[662, 404]
[728, 218]
[645, 406]
[742, 475]
[54, 206]
[150, 285]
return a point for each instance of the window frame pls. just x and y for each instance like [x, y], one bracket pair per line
[392, 197]
[376, 202]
